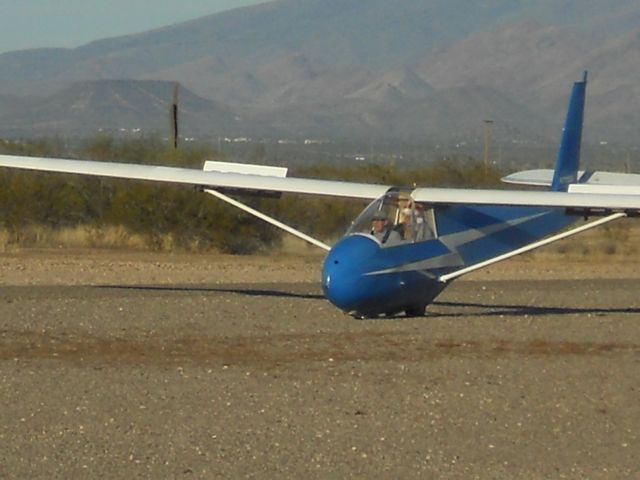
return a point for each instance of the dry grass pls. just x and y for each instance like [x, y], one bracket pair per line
[619, 239]
[37, 236]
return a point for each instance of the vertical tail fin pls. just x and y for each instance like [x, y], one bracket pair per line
[568, 159]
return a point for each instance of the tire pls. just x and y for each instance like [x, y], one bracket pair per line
[415, 311]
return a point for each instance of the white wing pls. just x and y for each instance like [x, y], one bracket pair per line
[588, 201]
[627, 201]
[189, 176]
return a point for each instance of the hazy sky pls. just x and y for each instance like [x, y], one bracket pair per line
[70, 23]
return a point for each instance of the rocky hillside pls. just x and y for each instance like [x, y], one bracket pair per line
[404, 70]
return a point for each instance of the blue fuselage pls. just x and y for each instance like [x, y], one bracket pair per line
[363, 277]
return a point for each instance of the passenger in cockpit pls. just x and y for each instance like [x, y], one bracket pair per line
[404, 227]
[381, 229]
[414, 224]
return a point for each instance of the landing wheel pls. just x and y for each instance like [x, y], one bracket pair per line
[415, 311]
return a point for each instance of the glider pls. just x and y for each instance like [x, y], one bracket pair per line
[409, 244]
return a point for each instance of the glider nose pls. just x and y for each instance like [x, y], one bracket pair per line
[343, 268]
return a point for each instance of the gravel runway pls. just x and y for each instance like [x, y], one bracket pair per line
[143, 366]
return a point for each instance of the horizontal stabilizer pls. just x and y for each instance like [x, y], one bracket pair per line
[543, 178]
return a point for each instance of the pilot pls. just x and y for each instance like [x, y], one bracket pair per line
[381, 229]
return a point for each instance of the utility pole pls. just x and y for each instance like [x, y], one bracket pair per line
[487, 143]
[174, 116]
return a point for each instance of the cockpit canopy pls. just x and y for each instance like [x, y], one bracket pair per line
[395, 219]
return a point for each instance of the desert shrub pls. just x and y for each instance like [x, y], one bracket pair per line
[174, 216]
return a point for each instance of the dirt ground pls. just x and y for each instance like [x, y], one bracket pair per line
[138, 365]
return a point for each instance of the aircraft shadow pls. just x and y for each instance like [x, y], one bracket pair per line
[491, 309]
[480, 309]
[253, 292]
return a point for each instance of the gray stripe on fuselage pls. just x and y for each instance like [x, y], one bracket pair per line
[454, 240]
[451, 259]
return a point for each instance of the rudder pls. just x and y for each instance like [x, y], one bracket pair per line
[568, 159]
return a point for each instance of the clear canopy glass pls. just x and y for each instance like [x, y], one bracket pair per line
[395, 219]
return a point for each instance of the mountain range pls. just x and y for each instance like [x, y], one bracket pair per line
[409, 71]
